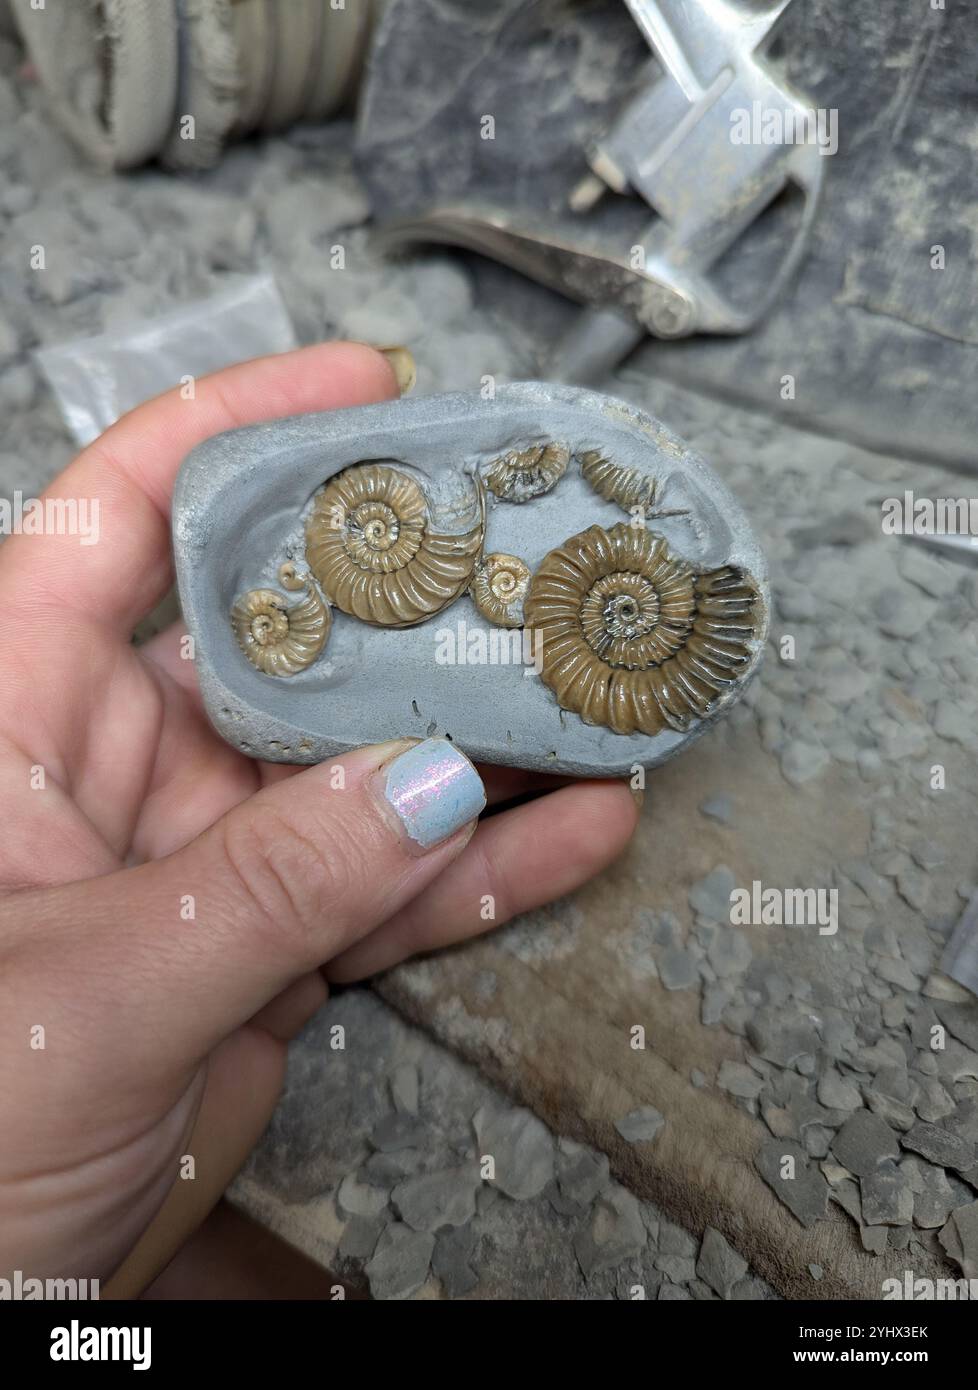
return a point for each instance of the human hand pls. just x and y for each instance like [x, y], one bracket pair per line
[164, 1037]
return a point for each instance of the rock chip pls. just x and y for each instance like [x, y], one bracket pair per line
[718, 808]
[451, 1262]
[640, 1126]
[399, 1265]
[398, 1131]
[864, 1142]
[837, 1093]
[719, 1265]
[404, 1088]
[615, 1233]
[960, 1239]
[710, 896]
[678, 968]
[356, 1198]
[739, 1080]
[522, 1149]
[940, 1146]
[430, 1201]
[887, 1197]
[581, 1172]
[799, 1184]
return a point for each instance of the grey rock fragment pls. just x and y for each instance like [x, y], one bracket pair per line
[383, 1170]
[679, 1268]
[804, 1190]
[864, 1142]
[894, 1112]
[739, 1080]
[398, 1131]
[719, 1265]
[837, 1093]
[640, 1126]
[404, 1089]
[615, 1233]
[940, 1146]
[676, 1240]
[359, 1238]
[355, 1198]
[816, 1271]
[960, 1020]
[887, 1197]
[710, 896]
[715, 1000]
[430, 1201]
[730, 952]
[718, 808]
[802, 761]
[399, 1265]
[846, 1195]
[960, 1239]
[451, 1262]
[581, 1173]
[874, 1239]
[672, 1293]
[781, 1040]
[521, 1147]
[678, 968]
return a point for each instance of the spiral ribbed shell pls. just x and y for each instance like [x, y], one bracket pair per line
[280, 640]
[369, 544]
[499, 588]
[632, 637]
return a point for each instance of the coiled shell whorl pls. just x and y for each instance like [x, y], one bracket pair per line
[277, 639]
[632, 637]
[370, 545]
[527, 473]
[626, 486]
[499, 588]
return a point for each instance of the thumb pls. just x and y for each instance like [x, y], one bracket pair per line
[187, 948]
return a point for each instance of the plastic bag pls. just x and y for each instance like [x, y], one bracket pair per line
[98, 379]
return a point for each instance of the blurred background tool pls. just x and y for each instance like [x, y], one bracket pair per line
[673, 146]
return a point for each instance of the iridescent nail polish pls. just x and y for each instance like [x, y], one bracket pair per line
[435, 790]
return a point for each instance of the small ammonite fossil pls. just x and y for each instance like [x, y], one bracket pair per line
[632, 637]
[370, 544]
[527, 473]
[499, 588]
[280, 640]
[632, 489]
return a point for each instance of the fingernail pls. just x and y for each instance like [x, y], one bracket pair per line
[434, 790]
[404, 366]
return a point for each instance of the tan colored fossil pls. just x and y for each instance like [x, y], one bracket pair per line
[626, 486]
[633, 638]
[280, 640]
[499, 588]
[527, 473]
[370, 545]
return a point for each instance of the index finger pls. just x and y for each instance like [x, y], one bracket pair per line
[130, 470]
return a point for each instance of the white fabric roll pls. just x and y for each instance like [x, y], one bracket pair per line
[109, 68]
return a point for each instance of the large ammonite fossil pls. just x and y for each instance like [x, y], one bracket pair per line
[369, 543]
[528, 473]
[280, 640]
[632, 637]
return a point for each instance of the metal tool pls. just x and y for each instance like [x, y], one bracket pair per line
[673, 147]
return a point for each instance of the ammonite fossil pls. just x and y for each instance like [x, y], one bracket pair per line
[632, 637]
[626, 486]
[633, 490]
[370, 544]
[518, 476]
[499, 588]
[280, 640]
